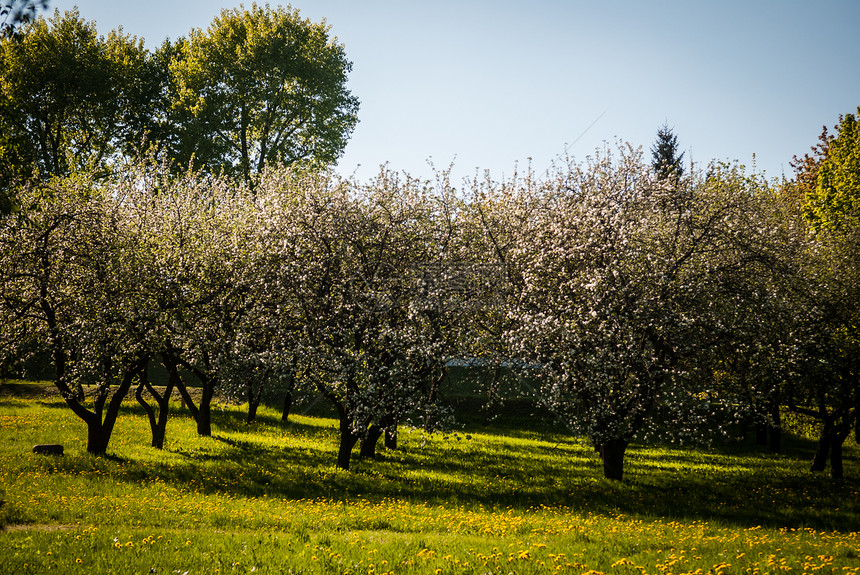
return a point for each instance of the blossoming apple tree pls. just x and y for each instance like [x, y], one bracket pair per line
[618, 282]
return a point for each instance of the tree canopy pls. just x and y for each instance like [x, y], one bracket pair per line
[627, 305]
[259, 86]
[619, 282]
[824, 196]
[665, 160]
[71, 100]
[17, 12]
[834, 202]
[262, 86]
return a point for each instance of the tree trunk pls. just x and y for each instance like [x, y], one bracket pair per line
[243, 146]
[187, 402]
[369, 441]
[204, 412]
[761, 434]
[150, 413]
[252, 411]
[857, 425]
[775, 428]
[391, 438]
[347, 442]
[99, 429]
[776, 439]
[253, 401]
[163, 412]
[836, 468]
[97, 438]
[388, 429]
[819, 461]
[612, 452]
[255, 394]
[288, 405]
[837, 440]
[157, 424]
[171, 364]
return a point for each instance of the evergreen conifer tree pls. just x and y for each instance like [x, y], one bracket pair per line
[664, 153]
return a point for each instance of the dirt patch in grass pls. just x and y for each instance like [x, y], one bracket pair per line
[46, 527]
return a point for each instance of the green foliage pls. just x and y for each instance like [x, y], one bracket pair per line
[835, 202]
[261, 86]
[665, 160]
[17, 12]
[70, 99]
[826, 277]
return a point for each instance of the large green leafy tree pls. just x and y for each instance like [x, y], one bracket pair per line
[827, 188]
[261, 86]
[834, 202]
[70, 99]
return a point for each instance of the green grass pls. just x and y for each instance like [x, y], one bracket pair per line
[267, 498]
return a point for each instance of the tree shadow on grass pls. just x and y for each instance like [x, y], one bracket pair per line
[235, 421]
[741, 484]
[539, 474]
[734, 484]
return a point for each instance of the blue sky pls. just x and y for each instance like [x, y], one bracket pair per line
[489, 83]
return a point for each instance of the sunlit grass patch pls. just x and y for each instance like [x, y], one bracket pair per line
[267, 497]
[550, 542]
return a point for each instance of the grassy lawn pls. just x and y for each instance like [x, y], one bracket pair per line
[267, 498]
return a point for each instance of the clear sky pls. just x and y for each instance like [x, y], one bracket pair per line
[488, 83]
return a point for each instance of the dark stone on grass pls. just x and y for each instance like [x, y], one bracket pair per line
[48, 449]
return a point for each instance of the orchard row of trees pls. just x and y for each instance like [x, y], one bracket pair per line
[633, 301]
[306, 276]
[632, 304]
